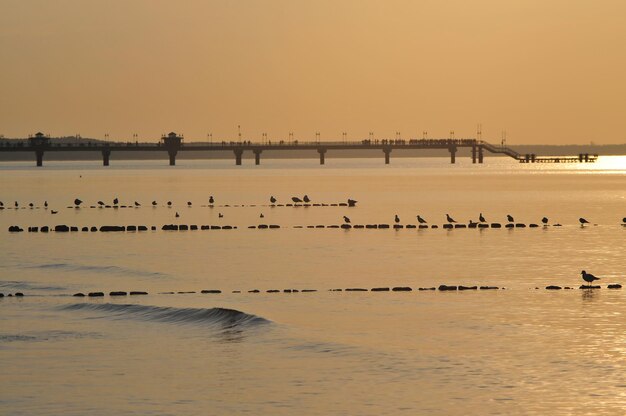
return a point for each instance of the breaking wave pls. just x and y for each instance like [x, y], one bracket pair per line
[220, 317]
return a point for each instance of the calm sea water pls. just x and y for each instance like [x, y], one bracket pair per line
[516, 351]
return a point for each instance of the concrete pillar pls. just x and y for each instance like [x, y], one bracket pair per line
[105, 157]
[387, 151]
[172, 153]
[238, 154]
[480, 154]
[452, 150]
[257, 156]
[39, 154]
[474, 154]
[322, 152]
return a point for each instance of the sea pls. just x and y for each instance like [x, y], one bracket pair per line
[276, 331]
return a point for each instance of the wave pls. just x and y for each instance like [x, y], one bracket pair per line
[220, 317]
[17, 285]
[96, 269]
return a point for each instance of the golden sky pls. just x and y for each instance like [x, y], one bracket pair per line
[547, 71]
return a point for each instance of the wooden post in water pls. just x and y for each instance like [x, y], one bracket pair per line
[257, 156]
[452, 154]
[39, 154]
[474, 154]
[172, 153]
[238, 154]
[105, 157]
[480, 154]
[322, 152]
[387, 151]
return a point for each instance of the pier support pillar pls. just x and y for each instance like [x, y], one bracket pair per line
[452, 150]
[39, 154]
[322, 152]
[257, 156]
[105, 157]
[473, 154]
[172, 154]
[480, 154]
[387, 151]
[238, 154]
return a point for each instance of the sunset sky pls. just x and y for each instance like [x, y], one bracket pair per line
[549, 72]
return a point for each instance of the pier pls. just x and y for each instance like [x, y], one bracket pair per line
[172, 144]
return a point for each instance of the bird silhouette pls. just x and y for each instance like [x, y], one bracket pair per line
[177, 215]
[137, 204]
[220, 215]
[346, 219]
[169, 203]
[509, 218]
[588, 277]
[624, 219]
[544, 220]
[1, 204]
[306, 199]
[261, 216]
[77, 202]
[188, 203]
[296, 200]
[472, 223]
[449, 218]
[154, 203]
[16, 204]
[211, 200]
[481, 218]
[53, 212]
[45, 204]
[397, 219]
[115, 201]
[272, 199]
[351, 202]
[421, 220]
[583, 221]
[31, 205]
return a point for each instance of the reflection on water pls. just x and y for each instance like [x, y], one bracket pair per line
[514, 351]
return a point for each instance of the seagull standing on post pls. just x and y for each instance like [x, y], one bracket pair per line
[588, 277]
[346, 219]
[449, 218]
[583, 221]
[510, 218]
[481, 218]
[421, 220]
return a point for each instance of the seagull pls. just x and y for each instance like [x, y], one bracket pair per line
[421, 220]
[583, 221]
[101, 203]
[16, 204]
[306, 199]
[188, 203]
[471, 222]
[272, 199]
[31, 205]
[296, 199]
[177, 215]
[351, 202]
[449, 218]
[169, 203]
[544, 220]
[397, 219]
[220, 215]
[211, 200]
[154, 203]
[588, 277]
[77, 202]
[624, 219]
[510, 218]
[115, 201]
[45, 204]
[1, 204]
[481, 218]
[137, 204]
[261, 216]
[346, 219]
[53, 212]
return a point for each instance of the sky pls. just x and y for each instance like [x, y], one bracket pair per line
[546, 72]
